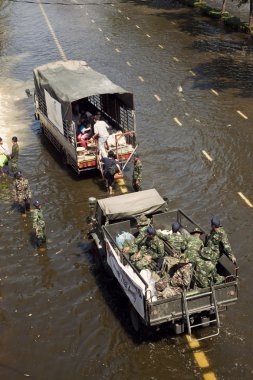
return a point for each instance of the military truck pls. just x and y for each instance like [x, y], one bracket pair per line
[192, 308]
[65, 91]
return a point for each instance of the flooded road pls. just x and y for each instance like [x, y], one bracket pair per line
[60, 317]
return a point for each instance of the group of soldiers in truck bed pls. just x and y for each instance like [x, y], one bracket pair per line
[189, 259]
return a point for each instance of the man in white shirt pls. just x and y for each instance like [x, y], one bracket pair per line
[102, 134]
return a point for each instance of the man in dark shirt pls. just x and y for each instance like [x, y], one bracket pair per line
[111, 167]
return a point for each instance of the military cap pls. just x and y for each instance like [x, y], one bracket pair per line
[18, 174]
[143, 220]
[215, 222]
[150, 231]
[175, 227]
[196, 230]
[36, 204]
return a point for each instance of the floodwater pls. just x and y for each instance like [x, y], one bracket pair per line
[60, 317]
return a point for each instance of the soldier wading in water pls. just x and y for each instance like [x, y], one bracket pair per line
[21, 192]
[39, 224]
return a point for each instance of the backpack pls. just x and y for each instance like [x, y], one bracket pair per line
[112, 169]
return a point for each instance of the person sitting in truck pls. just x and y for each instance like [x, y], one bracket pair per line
[175, 239]
[151, 250]
[84, 135]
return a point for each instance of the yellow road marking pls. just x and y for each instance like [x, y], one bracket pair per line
[242, 114]
[100, 29]
[62, 54]
[193, 343]
[108, 39]
[112, 5]
[157, 97]
[128, 63]
[214, 92]
[148, 35]
[141, 79]
[172, 22]
[161, 46]
[176, 59]
[177, 121]
[192, 73]
[119, 11]
[245, 199]
[137, 26]
[201, 359]
[207, 155]
[93, 21]
[209, 376]
[117, 50]
[128, 18]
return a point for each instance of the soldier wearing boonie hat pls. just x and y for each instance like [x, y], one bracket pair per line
[142, 223]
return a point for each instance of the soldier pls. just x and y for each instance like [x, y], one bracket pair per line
[218, 241]
[205, 269]
[39, 224]
[21, 192]
[183, 274]
[178, 244]
[194, 245]
[175, 240]
[151, 250]
[143, 222]
[14, 155]
[137, 172]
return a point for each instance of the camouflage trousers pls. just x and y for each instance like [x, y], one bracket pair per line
[13, 166]
[205, 272]
[183, 276]
[144, 264]
[40, 235]
[168, 264]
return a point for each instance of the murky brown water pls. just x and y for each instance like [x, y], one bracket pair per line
[60, 317]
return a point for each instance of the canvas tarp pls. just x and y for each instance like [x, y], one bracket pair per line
[74, 80]
[132, 204]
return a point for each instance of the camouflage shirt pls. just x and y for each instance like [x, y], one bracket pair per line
[194, 245]
[153, 247]
[141, 236]
[137, 173]
[39, 223]
[218, 241]
[21, 189]
[15, 152]
[177, 242]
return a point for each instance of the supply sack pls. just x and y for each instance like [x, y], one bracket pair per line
[123, 237]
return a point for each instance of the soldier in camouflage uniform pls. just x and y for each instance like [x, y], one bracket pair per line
[14, 155]
[39, 223]
[178, 243]
[21, 192]
[205, 269]
[184, 269]
[217, 240]
[137, 173]
[151, 250]
[194, 245]
[143, 223]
